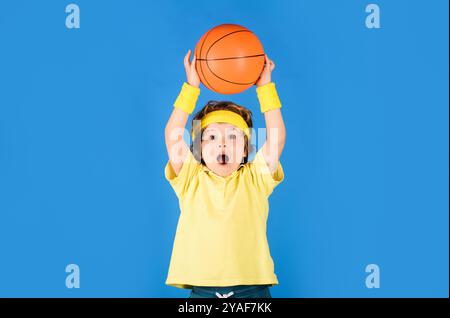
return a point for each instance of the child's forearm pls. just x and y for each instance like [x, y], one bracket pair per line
[275, 129]
[176, 123]
[184, 105]
[175, 144]
[177, 148]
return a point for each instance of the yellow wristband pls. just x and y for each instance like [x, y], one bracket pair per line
[268, 97]
[187, 99]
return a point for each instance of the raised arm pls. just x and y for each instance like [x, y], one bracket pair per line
[276, 138]
[271, 107]
[177, 149]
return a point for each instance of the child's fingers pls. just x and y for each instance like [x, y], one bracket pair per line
[270, 63]
[193, 61]
[186, 58]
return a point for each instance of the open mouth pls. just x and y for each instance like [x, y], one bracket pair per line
[222, 159]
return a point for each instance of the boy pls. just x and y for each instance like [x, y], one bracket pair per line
[220, 247]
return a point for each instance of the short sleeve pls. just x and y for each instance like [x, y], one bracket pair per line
[263, 178]
[181, 182]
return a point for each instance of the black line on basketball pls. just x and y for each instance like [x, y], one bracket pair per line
[224, 37]
[228, 80]
[231, 58]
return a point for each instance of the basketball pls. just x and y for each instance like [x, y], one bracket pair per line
[229, 59]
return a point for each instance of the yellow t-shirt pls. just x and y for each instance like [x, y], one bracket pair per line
[221, 234]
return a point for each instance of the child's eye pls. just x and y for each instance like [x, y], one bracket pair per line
[232, 137]
[211, 137]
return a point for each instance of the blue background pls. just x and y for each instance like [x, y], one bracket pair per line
[82, 153]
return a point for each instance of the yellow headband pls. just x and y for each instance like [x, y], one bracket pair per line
[224, 116]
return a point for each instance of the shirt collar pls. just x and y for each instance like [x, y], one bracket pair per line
[209, 171]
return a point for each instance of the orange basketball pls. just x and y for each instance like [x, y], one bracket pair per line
[230, 59]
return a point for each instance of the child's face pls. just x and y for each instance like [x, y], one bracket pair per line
[223, 148]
